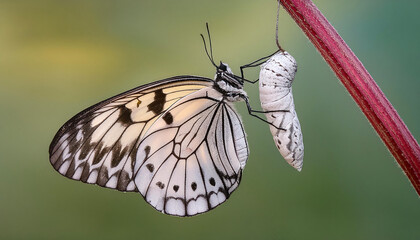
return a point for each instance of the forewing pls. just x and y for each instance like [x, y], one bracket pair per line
[192, 157]
[99, 145]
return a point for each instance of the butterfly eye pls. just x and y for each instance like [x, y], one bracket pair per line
[223, 67]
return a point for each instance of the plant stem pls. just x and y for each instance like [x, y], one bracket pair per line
[361, 86]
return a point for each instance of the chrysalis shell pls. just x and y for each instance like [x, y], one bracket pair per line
[275, 83]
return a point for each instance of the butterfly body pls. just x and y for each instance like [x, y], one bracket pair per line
[178, 141]
[230, 86]
[275, 85]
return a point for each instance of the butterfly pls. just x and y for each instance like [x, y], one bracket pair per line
[178, 142]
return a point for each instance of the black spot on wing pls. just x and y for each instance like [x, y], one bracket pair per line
[102, 177]
[100, 152]
[118, 154]
[85, 172]
[159, 101]
[193, 186]
[86, 148]
[176, 187]
[168, 118]
[75, 145]
[123, 181]
[160, 185]
[147, 150]
[71, 170]
[212, 181]
[150, 167]
[125, 116]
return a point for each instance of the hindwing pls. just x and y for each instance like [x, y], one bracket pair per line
[191, 158]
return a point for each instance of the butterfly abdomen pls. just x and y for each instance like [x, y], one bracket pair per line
[275, 83]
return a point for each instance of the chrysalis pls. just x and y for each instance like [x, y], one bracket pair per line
[275, 83]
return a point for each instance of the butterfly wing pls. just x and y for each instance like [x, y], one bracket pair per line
[191, 158]
[99, 145]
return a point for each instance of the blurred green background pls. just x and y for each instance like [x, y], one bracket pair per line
[59, 57]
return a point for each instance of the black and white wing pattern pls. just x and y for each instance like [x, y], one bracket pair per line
[191, 158]
[99, 145]
[178, 141]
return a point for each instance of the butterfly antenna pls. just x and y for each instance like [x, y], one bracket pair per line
[277, 27]
[207, 52]
[208, 34]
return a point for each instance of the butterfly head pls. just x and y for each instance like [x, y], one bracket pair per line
[224, 67]
[225, 81]
[224, 73]
[229, 84]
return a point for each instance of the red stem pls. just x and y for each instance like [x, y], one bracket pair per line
[361, 86]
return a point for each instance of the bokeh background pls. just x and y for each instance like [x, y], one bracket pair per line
[59, 57]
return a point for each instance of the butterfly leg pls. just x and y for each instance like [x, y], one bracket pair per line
[255, 63]
[251, 112]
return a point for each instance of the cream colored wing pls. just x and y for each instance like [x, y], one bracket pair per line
[99, 145]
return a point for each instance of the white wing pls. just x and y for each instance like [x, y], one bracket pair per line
[192, 157]
[99, 145]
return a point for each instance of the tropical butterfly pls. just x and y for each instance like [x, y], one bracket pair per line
[178, 142]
